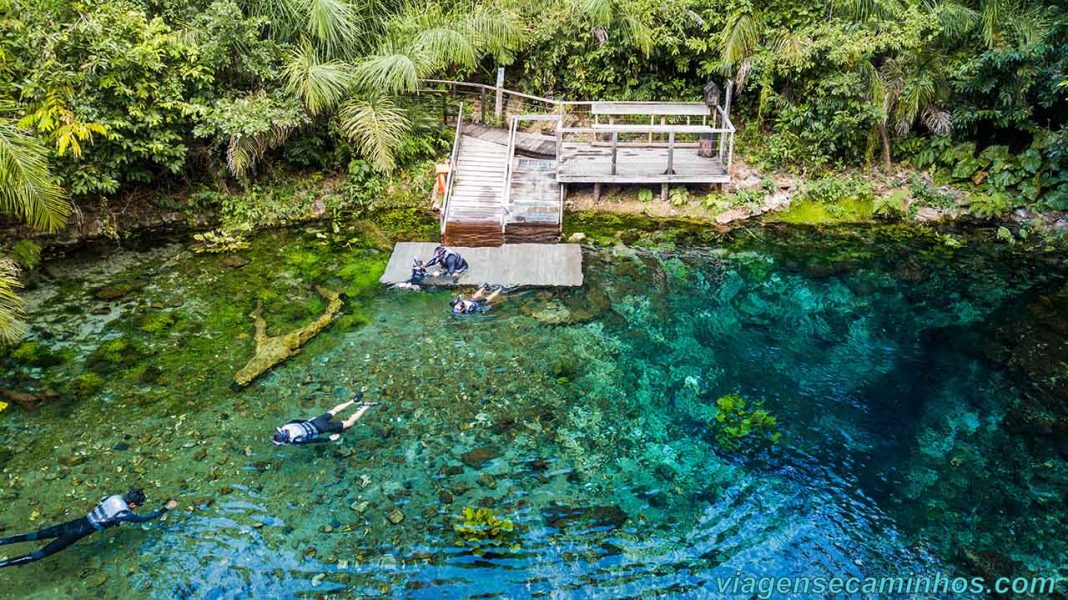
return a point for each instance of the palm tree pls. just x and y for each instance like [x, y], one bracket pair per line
[352, 58]
[28, 193]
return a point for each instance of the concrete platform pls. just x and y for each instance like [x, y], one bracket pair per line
[510, 265]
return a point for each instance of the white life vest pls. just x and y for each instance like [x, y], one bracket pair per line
[108, 511]
[298, 433]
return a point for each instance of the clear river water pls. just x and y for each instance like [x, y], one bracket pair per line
[917, 381]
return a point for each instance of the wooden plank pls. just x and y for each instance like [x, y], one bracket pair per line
[510, 265]
[691, 129]
[697, 109]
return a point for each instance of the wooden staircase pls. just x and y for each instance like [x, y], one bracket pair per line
[535, 199]
[474, 209]
[494, 196]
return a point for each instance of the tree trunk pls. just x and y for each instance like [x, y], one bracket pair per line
[884, 137]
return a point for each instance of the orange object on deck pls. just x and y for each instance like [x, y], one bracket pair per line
[442, 172]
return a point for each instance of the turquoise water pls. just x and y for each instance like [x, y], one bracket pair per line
[918, 388]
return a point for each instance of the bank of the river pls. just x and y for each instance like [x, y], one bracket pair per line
[913, 372]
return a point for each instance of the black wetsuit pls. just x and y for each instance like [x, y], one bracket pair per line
[307, 432]
[452, 262]
[110, 512]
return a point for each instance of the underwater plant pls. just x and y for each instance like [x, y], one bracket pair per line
[218, 241]
[479, 527]
[736, 424]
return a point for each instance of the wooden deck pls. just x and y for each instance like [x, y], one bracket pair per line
[508, 186]
[590, 163]
[511, 265]
[530, 143]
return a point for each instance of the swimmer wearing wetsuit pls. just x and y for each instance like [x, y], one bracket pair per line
[307, 432]
[479, 302]
[111, 512]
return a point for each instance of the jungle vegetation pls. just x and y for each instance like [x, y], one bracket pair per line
[104, 97]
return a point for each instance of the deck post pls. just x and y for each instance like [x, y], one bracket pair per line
[615, 149]
[596, 191]
[730, 155]
[482, 105]
[663, 192]
[499, 104]
[727, 99]
[671, 154]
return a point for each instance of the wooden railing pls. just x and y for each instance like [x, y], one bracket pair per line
[510, 154]
[573, 114]
[452, 168]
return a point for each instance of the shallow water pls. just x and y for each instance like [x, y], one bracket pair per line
[917, 388]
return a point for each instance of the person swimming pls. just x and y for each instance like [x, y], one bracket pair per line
[478, 302]
[450, 261]
[306, 432]
[110, 512]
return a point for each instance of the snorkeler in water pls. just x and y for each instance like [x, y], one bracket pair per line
[306, 432]
[111, 512]
[478, 302]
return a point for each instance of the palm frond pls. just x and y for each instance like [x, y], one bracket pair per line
[390, 73]
[376, 126]
[499, 32]
[955, 19]
[26, 187]
[1031, 28]
[792, 48]
[244, 151]
[938, 120]
[320, 85]
[600, 12]
[286, 17]
[636, 31]
[334, 24]
[862, 10]
[12, 326]
[740, 38]
[443, 46]
[990, 11]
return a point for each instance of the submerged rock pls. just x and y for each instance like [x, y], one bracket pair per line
[272, 350]
[563, 517]
[552, 313]
[480, 456]
[234, 261]
[29, 400]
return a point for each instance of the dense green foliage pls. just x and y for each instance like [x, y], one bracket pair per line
[975, 88]
[163, 92]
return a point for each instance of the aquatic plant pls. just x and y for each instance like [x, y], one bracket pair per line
[111, 355]
[36, 354]
[480, 527]
[27, 253]
[737, 425]
[85, 384]
[219, 240]
[891, 206]
[679, 196]
[155, 321]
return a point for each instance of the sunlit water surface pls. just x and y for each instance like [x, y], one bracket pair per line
[896, 365]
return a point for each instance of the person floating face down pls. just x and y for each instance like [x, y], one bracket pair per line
[452, 263]
[307, 432]
[478, 302]
[111, 511]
